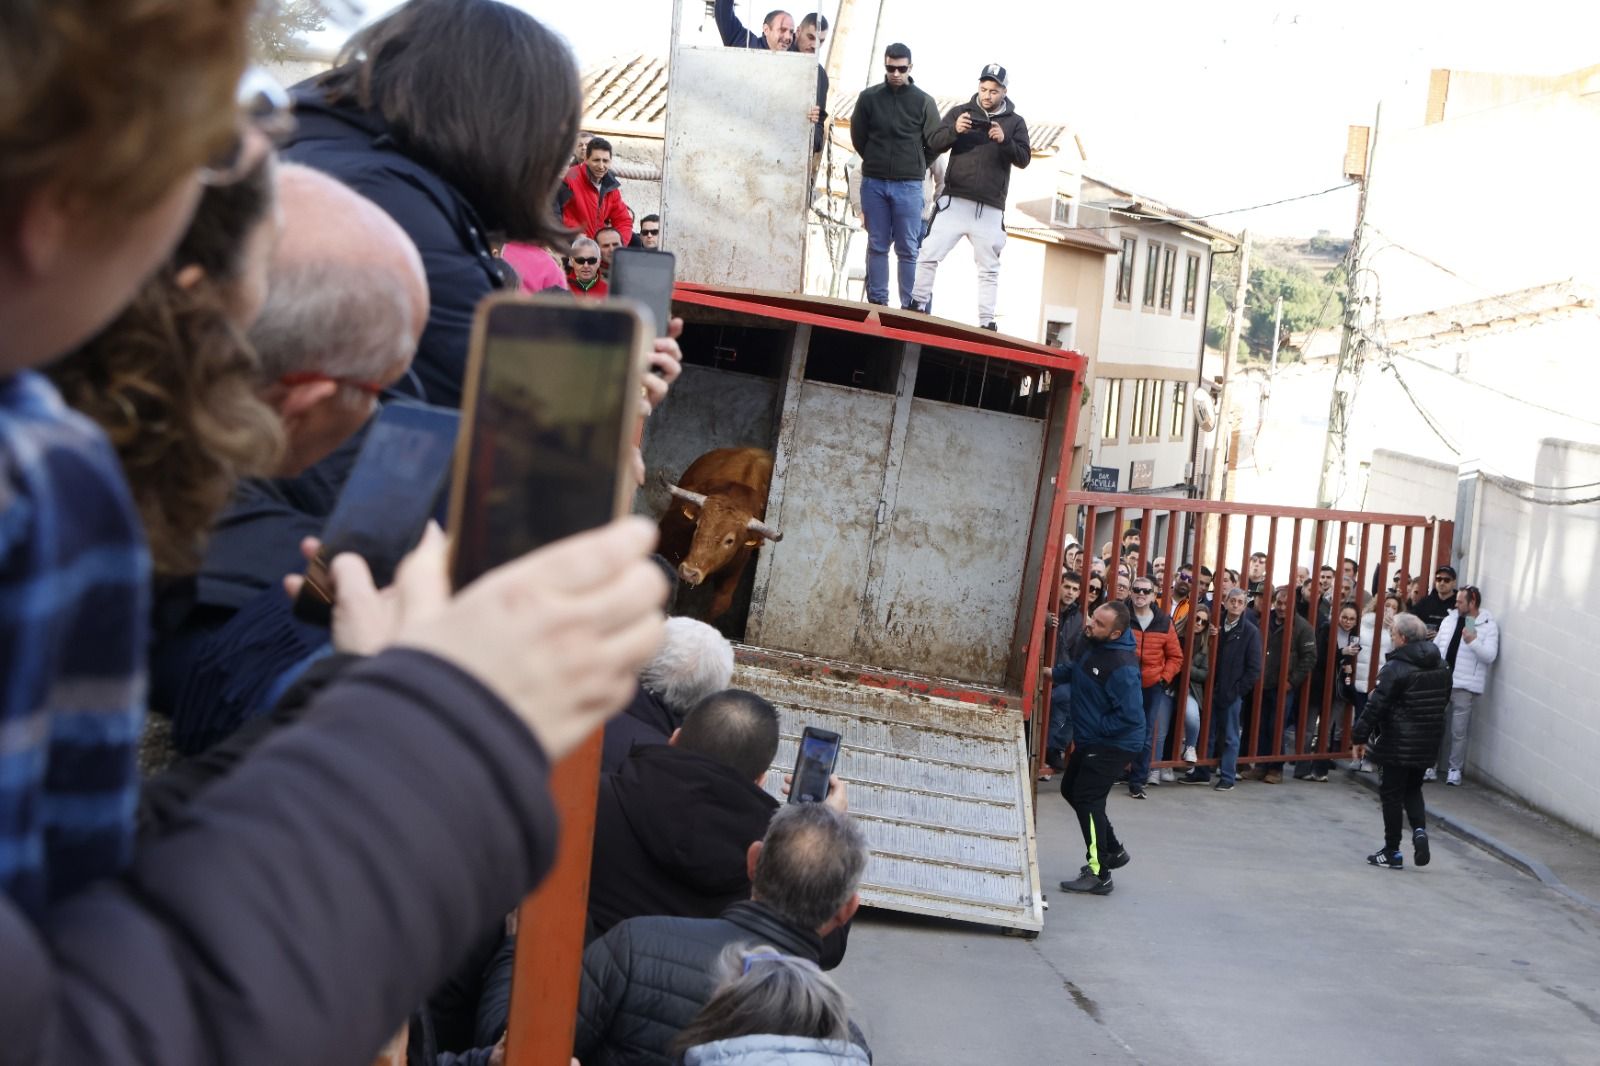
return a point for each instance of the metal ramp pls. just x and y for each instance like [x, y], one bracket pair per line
[941, 786]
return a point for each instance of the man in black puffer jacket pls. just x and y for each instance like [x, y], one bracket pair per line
[1400, 730]
[985, 138]
[648, 977]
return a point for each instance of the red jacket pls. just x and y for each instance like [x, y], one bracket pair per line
[593, 292]
[1160, 654]
[592, 210]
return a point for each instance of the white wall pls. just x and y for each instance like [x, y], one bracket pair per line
[1536, 732]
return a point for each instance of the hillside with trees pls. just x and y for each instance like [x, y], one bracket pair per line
[1308, 272]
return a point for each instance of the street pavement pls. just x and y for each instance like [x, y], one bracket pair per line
[1249, 928]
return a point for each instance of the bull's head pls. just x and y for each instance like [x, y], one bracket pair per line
[721, 531]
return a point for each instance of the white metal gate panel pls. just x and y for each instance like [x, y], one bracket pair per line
[940, 787]
[952, 568]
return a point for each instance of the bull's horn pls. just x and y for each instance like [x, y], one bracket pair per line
[755, 525]
[696, 498]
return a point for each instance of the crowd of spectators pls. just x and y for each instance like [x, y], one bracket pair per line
[208, 286]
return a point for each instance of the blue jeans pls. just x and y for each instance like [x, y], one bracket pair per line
[1191, 723]
[1157, 716]
[893, 213]
[1226, 725]
[1060, 719]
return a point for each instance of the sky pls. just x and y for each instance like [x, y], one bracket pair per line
[1208, 108]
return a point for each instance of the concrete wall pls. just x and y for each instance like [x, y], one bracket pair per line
[1401, 483]
[1536, 732]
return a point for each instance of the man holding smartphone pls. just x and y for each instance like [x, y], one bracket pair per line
[985, 138]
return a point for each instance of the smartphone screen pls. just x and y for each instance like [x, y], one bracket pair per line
[645, 276]
[392, 491]
[819, 751]
[552, 393]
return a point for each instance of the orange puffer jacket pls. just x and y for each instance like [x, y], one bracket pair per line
[1160, 653]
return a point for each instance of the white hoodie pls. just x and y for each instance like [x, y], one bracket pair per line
[1472, 660]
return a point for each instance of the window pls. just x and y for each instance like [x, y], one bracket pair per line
[1061, 210]
[1059, 334]
[1152, 428]
[1130, 246]
[1169, 274]
[1180, 406]
[1113, 413]
[1152, 266]
[1191, 284]
[1136, 427]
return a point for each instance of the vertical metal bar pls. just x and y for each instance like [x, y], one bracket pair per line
[542, 1020]
[1171, 556]
[1281, 682]
[1347, 711]
[1428, 565]
[1378, 610]
[1114, 564]
[1326, 652]
[1147, 525]
[1303, 693]
[1206, 710]
[1409, 571]
[1447, 544]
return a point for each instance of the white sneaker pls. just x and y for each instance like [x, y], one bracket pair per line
[1366, 767]
[1154, 778]
[1454, 778]
[1430, 774]
[1189, 755]
[1168, 776]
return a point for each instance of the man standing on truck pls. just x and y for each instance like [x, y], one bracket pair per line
[778, 34]
[1108, 727]
[985, 138]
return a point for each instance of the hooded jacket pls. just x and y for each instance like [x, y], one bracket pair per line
[591, 209]
[1107, 699]
[672, 828]
[765, 1050]
[1404, 716]
[980, 169]
[890, 129]
[1471, 671]
[357, 147]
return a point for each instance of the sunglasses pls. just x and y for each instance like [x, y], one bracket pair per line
[1096, 588]
[1443, 580]
[650, 232]
[892, 69]
[586, 260]
[1141, 591]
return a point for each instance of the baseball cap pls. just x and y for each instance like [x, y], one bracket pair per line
[1448, 571]
[995, 72]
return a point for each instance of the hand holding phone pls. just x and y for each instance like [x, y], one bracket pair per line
[814, 762]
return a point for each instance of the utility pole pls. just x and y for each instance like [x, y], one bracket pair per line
[1277, 331]
[1235, 328]
[1348, 376]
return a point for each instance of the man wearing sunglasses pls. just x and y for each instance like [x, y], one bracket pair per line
[1155, 641]
[585, 280]
[648, 235]
[1440, 600]
[890, 128]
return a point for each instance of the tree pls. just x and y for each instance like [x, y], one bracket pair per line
[280, 25]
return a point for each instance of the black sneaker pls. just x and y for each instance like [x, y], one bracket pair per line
[1222, 786]
[1136, 791]
[1197, 776]
[1419, 846]
[1117, 859]
[991, 327]
[1088, 882]
[1389, 860]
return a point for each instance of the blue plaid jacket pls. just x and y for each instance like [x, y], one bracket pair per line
[74, 619]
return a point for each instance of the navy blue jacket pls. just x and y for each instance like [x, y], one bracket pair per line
[357, 148]
[1238, 665]
[1107, 700]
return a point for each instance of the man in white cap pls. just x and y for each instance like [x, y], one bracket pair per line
[985, 138]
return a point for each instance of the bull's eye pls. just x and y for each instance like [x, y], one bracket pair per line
[688, 512]
[727, 540]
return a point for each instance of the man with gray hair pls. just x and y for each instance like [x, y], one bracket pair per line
[585, 278]
[648, 977]
[1400, 729]
[694, 661]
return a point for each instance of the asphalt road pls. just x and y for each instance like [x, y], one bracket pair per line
[1248, 928]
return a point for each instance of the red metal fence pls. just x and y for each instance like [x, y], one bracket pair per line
[1291, 538]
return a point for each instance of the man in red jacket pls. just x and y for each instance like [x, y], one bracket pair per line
[1160, 661]
[590, 197]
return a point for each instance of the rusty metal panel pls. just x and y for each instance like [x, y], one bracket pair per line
[832, 488]
[735, 166]
[952, 572]
[708, 409]
[940, 787]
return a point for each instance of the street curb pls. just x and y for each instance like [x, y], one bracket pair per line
[1500, 850]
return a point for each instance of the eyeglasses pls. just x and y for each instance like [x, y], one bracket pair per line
[892, 69]
[373, 389]
[650, 232]
[266, 117]
[587, 260]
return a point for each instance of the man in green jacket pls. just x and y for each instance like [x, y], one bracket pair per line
[890, 129]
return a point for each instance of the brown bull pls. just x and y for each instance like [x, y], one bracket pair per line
[714, 521]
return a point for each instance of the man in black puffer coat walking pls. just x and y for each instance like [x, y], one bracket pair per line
[1400, 730]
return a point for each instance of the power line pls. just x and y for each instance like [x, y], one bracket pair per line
[1441, 267]
[1176, 220]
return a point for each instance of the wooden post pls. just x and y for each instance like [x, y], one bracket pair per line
[550, 923]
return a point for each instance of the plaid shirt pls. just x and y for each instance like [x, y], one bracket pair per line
[74, 619]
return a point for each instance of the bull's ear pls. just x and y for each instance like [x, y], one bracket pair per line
[688, 512]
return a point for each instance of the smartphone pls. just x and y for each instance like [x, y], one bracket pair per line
[393, 489]
[645, 276]
[819, 751]
[548, 410]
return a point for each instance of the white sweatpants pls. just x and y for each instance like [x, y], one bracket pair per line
[979, 223]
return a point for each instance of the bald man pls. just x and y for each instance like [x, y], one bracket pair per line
[347, 301]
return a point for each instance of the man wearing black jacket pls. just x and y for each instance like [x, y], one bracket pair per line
[1401, 729]
[985, 138]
